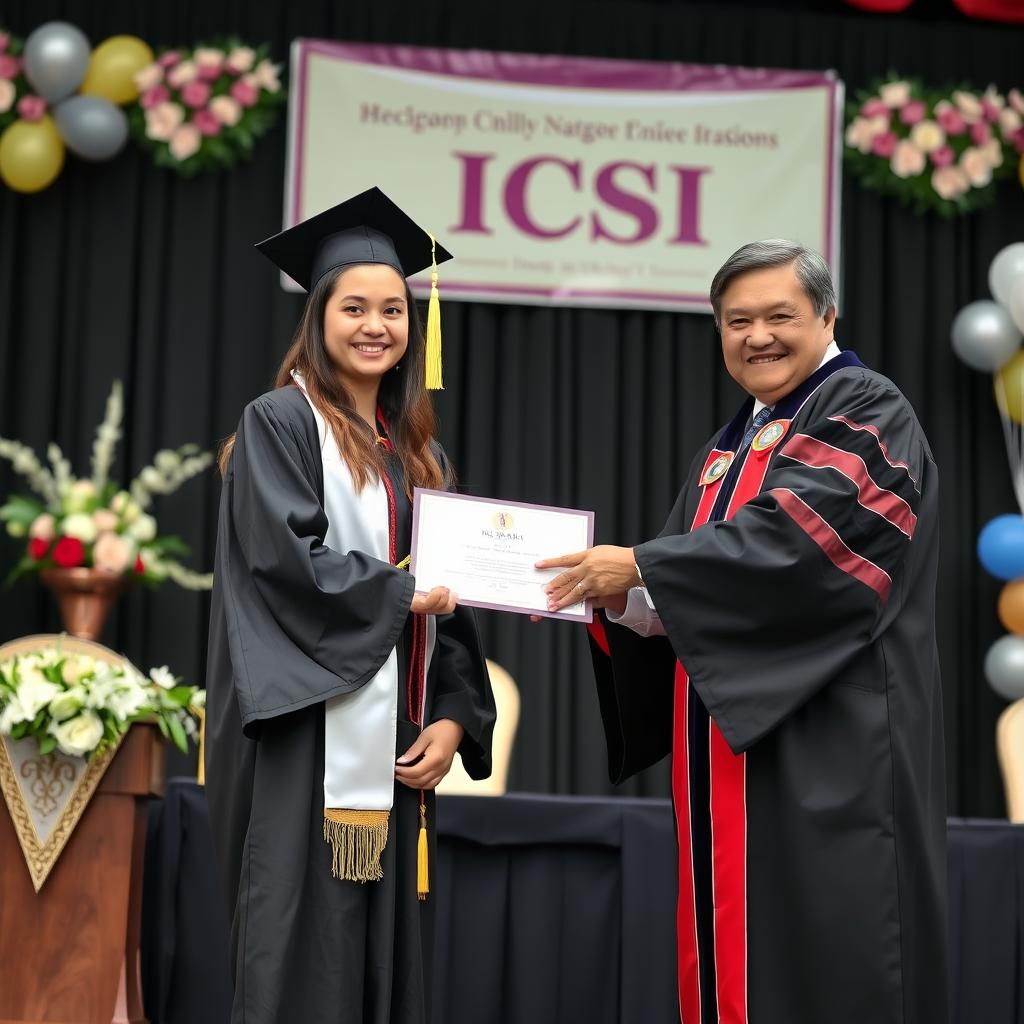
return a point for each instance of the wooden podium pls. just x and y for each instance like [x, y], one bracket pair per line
[70, 954]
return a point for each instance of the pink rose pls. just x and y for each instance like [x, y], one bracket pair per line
[106, 520]
[241, 60]
[862, 131]
[951, 120]
[943, 156]
[43, 527]
[907, 160]
[245, 92]
[31, 108]
[226, 110]
[151, 97]
[993, 153]
[873, 108]
[989, 110]
[183, 73]
[913, 112]
[10, 67]
[977, 168]
[206, 121]
[1018, 140]
[895, 94]
[169, 59]
[980, 133]
[1009, 122]
[1016, 98]
[7, 94]
[267, 74]
[210, 72]
[163, 119]
[5, 41]
[151, 75]
[969, 105]
[113, 552]
[195, 94]
[949, 182]
[884, 145]
[185, 141]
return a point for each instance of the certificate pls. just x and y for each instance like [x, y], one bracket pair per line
[485, 550]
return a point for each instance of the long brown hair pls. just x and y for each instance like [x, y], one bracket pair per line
[402, 397]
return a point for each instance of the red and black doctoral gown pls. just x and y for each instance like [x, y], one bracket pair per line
[798, 691]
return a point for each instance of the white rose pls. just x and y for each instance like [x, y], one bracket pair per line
[183, 73]
[81, 526]
[143, 529]
[1009, 121]
[78, 496]
[950, 182]
[185, 141]
[207, 56]
[198, 700]
[241, 59]
[68, 703]
[100, 690]
[78, 736]
[127, 699]
[895, 94]
[975, 165]
[113, 553]
[928, 136]
[167, 461]
[969, 105]
[266, 75]
[43, 527]
[993, 152]
[75, 668]
[163, 677]
[7, 94]
[149, 76]
[163, 120]
[34, 691]
[13, 714]
[226, 109]
[907, 160]
[863, 131]
[105, 519]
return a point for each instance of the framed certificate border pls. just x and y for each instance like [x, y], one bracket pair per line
[585, 617]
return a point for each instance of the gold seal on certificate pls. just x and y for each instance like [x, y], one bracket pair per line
[486, 550]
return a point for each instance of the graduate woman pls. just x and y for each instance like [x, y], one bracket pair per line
[337, 695]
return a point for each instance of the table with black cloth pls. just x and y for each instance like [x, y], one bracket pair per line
[553, 910]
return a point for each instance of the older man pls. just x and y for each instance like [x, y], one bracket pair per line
[778, 637]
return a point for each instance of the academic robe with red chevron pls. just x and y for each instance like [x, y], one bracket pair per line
[797, 688]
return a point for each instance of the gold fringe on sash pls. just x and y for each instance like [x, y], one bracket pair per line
[357, 841]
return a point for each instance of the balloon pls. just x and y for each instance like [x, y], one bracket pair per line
[31, 154]
[1004, 667]
[1009, 388]
[91, 127]
[113, 67]
[56, 59]
[1011, 607]
[984, 335]
[1001, 547]
[1016, 305]
[1006, 268]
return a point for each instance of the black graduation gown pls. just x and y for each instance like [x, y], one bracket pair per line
[294, 623]
[811, 807]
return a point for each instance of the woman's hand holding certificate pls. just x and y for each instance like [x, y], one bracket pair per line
[488, 550]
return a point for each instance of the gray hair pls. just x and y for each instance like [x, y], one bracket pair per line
[811, 271]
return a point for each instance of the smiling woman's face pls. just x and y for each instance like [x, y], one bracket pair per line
[771, 339]
[366, 322]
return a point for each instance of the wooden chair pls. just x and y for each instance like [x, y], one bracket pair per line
[506, 700]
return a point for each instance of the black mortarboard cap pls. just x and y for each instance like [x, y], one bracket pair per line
[368, 228]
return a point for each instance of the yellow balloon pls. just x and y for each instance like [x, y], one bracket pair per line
[113, 66]
[31, 154]
[1009, 388]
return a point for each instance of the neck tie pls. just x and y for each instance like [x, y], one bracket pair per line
[756, 424]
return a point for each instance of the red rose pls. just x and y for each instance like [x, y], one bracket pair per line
[37, 548]
[139, 567]
[69, 552]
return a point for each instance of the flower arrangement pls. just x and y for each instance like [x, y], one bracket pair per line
[935, 151]
[92, 522]
[202, 109]
[82, 706]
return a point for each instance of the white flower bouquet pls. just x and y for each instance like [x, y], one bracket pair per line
[92, 522]
[81, 705]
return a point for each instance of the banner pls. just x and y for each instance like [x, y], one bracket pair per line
[569, 181]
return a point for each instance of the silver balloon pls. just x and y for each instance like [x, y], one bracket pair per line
[1006, 269]
[985, 336]
[56, 59]
[1004, 667]
[92, 128]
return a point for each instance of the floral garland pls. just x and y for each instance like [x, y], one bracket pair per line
[204, 108]
[92, 522]
[14, 87]
[82, 706]
[931, 150]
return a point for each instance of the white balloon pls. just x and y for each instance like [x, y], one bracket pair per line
[1006, 270]
[1016, 305]
[984, 336]
[1004, 667]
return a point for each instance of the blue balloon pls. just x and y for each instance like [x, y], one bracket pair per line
[1001, 547]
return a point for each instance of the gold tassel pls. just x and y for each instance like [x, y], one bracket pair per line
[435, 379]
[357, 841]
[422, 872]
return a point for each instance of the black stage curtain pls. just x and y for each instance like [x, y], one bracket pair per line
[122, 270]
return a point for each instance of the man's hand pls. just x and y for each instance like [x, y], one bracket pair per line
[439, 601]
[435, 748]
[603, 574]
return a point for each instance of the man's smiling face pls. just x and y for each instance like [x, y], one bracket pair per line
[772, 341]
